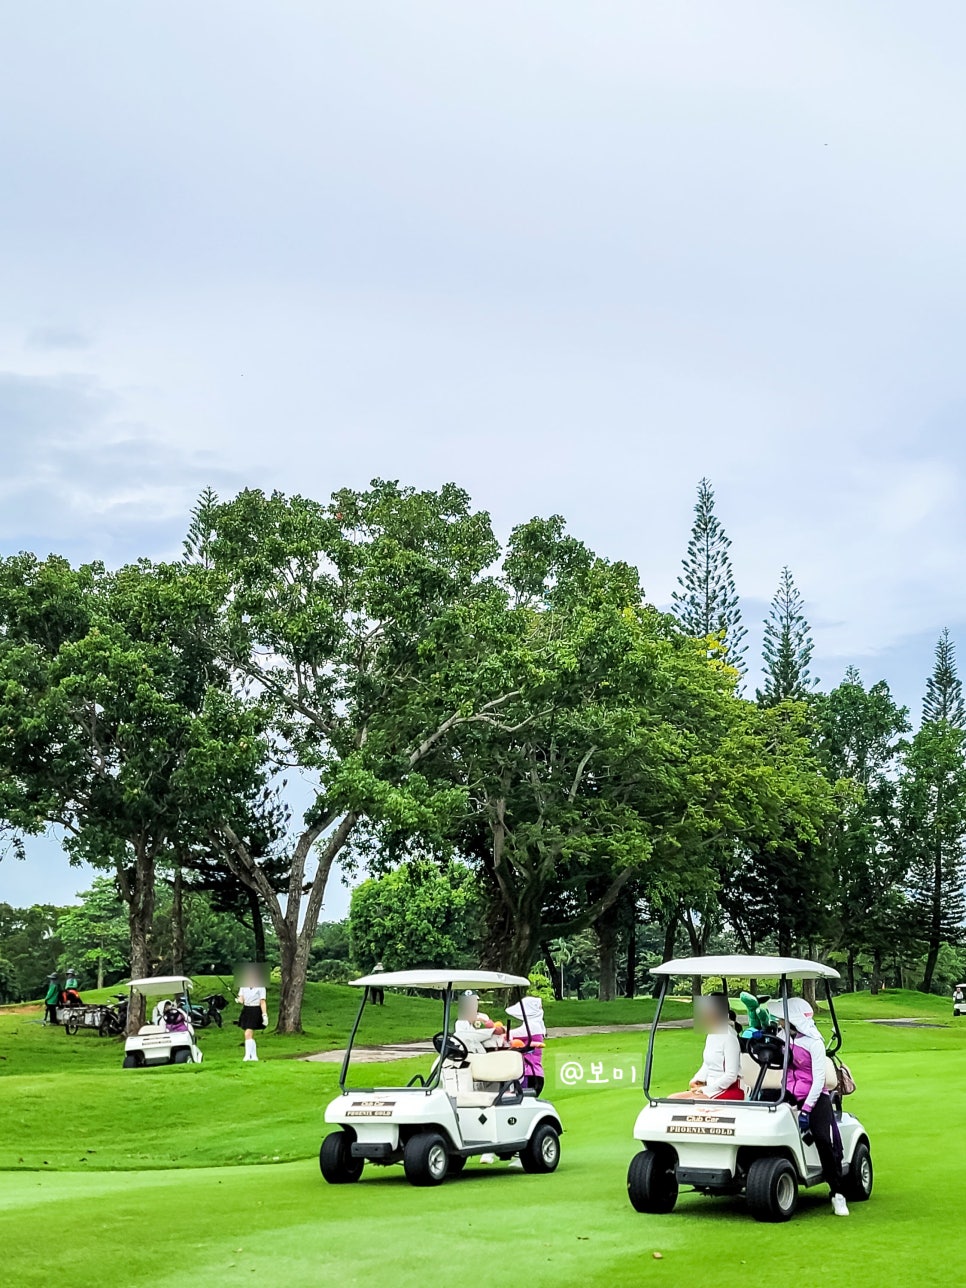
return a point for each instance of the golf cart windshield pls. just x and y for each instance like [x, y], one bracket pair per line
[446, 985]
[731, 974]
[160, 985]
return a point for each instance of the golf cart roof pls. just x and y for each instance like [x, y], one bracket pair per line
[440, 980]
[158, 985]
[740, 967]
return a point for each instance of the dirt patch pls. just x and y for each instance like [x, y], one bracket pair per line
[909, 1024]
[409, 1050]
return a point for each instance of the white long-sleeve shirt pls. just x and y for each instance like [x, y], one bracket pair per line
[721, 1064]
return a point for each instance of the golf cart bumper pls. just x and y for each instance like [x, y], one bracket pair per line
[712, 1178]
[374, 1150]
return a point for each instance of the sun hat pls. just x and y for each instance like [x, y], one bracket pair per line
[800, 1015]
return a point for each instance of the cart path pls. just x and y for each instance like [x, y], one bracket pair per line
[409, 1050]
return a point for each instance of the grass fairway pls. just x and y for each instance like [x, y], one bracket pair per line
[117, 1184]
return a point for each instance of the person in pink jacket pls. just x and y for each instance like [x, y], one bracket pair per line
[806, 1089]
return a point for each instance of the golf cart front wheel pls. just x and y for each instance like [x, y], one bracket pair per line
[858, 1182]
[542, 1151]
[181, 1056]
[425, 1159]
[456, 1164]
[131, 1061]
[651, 1184]
[772, 1189]
[71, 1026]
[336, 1163]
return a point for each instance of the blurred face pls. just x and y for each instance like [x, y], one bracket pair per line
[709, 1015]
[469, 1008]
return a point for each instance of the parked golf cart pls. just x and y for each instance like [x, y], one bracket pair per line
[470, 1102]
[752, 1146]
[959, 999]
[161, 1042]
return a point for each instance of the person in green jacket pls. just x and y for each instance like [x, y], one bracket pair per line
[52, 1000]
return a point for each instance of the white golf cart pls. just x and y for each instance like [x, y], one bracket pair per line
[471, 1102]
[161, 1042]
[751, 1146]
[959, 1000]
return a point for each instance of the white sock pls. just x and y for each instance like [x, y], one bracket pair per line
[252, 1053]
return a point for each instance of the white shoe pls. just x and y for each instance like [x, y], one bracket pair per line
[516, 1163]
[839, 1205]
[487, 1159]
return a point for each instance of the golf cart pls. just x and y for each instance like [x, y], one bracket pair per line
[471, 1101]
[170, 1039]
[959, 999]
[753, 1145]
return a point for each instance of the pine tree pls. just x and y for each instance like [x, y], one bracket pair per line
[707, 603]
[787, 649]
[198, 539]
[944, 689]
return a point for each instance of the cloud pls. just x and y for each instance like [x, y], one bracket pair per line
[79, 478]
[54, 336]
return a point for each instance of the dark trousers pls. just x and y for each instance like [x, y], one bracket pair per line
[51, 1016]
[378, 996]
[828, 1141]
[534, 1082]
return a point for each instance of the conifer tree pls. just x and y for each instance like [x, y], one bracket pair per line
[197, 542]
[787, 649]
[707, 603]
[944, 689]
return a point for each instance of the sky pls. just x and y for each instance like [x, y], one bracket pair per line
[573, 257]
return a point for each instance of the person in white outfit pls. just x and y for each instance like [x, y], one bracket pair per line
[718, 1077]
[254, 1014]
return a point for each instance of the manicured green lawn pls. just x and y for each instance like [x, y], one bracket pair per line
[71, 1217]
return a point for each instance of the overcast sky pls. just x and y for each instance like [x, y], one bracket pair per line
[572, 256]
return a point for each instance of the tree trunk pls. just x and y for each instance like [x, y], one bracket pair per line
[294, 952]
[100, 964]
[258, 924]
[606, 932]
[630, 977]
[177, 922]
[555, 972]
[850, 971]
[136, 885]
[808, 992]
[875, 984]
[935, 922]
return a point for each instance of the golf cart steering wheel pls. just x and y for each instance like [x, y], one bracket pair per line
[450, 1047]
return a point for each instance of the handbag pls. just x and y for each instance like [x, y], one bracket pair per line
[846, 1082]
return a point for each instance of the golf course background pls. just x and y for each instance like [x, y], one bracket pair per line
[210, 1172]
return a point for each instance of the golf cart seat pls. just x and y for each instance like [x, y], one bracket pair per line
[771, 1083]
[490, 1072]
[152, 1028]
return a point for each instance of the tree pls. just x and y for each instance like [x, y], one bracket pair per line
[787, 649]
[628, 757]
[30, 942]
[944, 689]
[94, 935]
[417, 915]
[119, 723]
[707, 604]
[933, 811]
[363, 623]
[858, 734]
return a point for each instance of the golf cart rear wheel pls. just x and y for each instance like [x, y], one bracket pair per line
[336, 1163]
[858, 1182]
[542, 1151]
[456, 1164]
[71, 1025]
[651, 1184]
[425, 1159]
[772, 1189]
